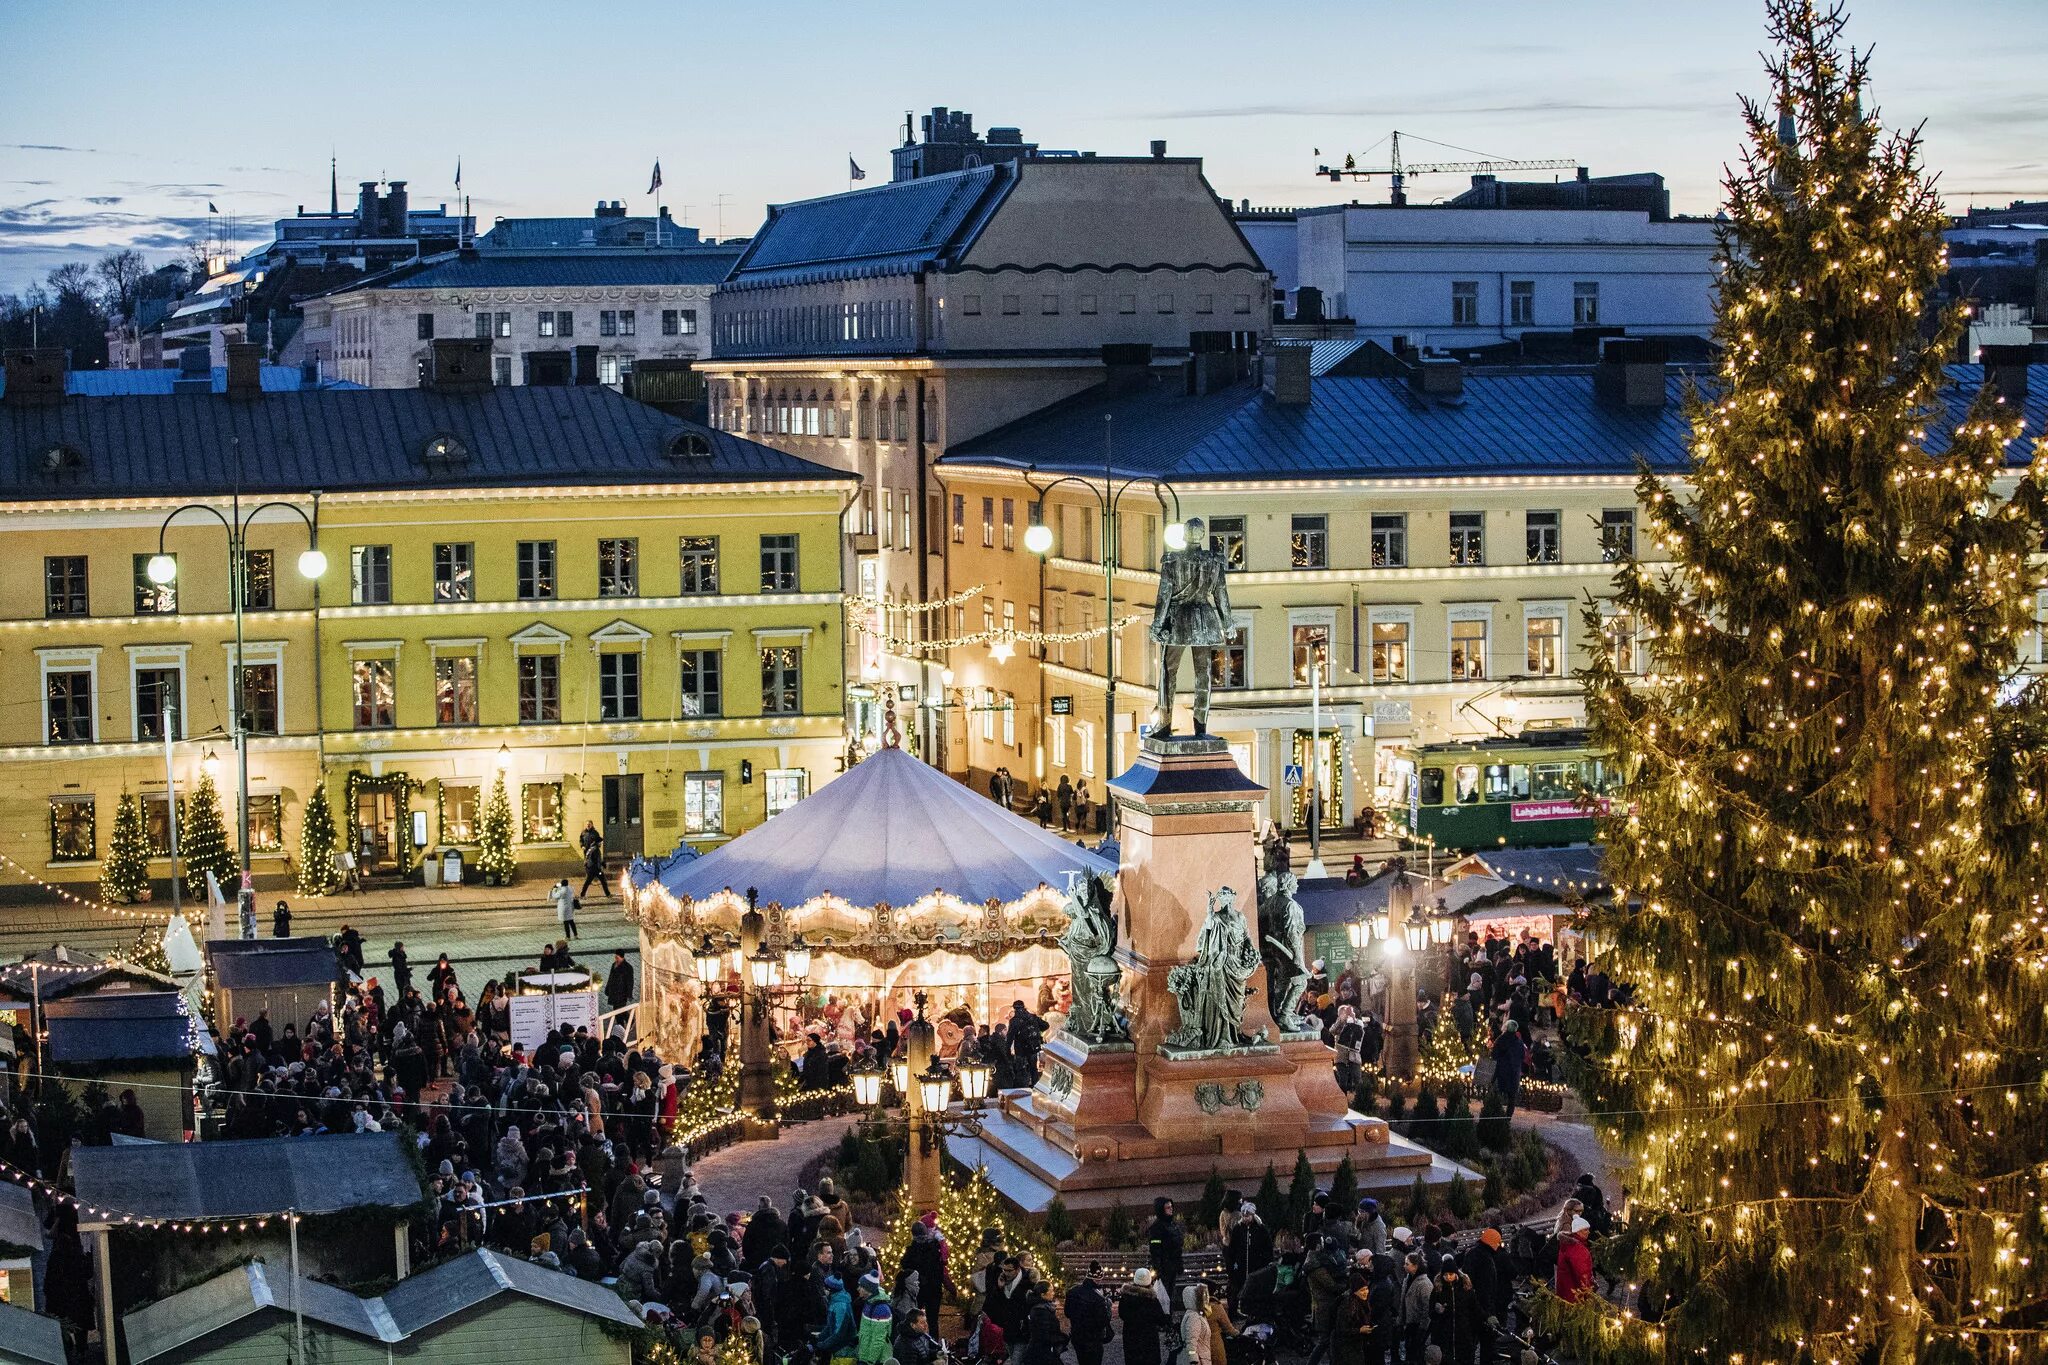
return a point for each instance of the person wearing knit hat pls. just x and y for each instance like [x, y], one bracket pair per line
[1573, 1279]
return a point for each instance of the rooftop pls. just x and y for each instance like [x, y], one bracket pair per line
[253, 963]
[112, 383]
[119, 1026]
[574, 268]
[888, 230]
[348, 440]
[250, 1178]
[31, 1337]
[1534, 422]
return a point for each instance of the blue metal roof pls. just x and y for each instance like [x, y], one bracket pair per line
[528, 234]
[516, 436]
[1534, 423]
[126, 1026]
[571, 268]
[114, 383]
[890, 229]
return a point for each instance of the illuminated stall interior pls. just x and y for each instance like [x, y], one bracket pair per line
[896, 878]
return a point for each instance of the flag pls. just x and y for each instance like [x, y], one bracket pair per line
[655, 183]
[210, 208]
[458, 172]
[853, 170]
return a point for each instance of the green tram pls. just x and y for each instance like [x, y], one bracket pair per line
[1539, 788]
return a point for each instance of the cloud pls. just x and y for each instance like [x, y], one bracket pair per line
[1521, 107]
[103, 199]
[50, 147]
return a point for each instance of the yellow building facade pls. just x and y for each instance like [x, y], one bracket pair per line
[637, 621]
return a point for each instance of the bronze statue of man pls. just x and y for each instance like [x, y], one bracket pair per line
[1192, 613]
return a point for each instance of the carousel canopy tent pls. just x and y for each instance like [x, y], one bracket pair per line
[890, 831]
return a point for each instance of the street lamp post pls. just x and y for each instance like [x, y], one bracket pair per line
[1038, 539]
[1403, 1048]
[162, 570]
[919, 1057]
[762, 972]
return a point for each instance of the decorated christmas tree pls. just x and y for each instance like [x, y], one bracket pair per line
[147, 951]
[1828, 1074]
[494, 834]
[967, 1208]
[317, 845]
[124, 877]
[1444, 1057]
[203, 843]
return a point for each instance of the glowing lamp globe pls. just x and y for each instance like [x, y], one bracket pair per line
[161, 570]
[899, 1073]
[313, 563]
[867, 1086]
[935, 1088]
[1176, 535]
[1038, 538]
[975, 1076]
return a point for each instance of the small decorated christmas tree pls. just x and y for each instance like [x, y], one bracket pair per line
[147, 951]
[317, 844]
[203, 843]
[494, 834]
[124, 877]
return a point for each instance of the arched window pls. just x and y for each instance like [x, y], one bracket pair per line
[831, 415]
[902, 417]
[782, 412]
[866, 429]
[811, 414]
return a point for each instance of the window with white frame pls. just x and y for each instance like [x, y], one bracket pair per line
[985, 703]
[785, 787]
[1390, 540]
[703, 681]
[1059, 742]
[1468, 538]
[1544, 533]
[1231, 665]
[1084, 738]
[1544, 641]
[1585, 303]
[1309, 543]
[1521, 303]
[1468, 631]
[455, 689]
[1617, 534]
[159, 694]
[618, 685]
[1464, 303]
[1619, 638]
[703, 803]
[1392, 632]
[1009, 709]
[1312, 634]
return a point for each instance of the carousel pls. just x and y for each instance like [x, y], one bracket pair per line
[890, 880]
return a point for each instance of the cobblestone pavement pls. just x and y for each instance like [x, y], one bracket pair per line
[736, 1177]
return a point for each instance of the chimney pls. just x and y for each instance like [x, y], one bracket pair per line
[1127, 365]
[1158, 148]
[1286, 373]
[583, 365]
[245, 370]
[366, 207]
[1437, 377]
[35, 378]
[2005, 370]
[460, 365]
[1630, 373]
[394, 209]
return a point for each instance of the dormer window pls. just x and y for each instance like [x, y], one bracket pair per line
[443, 450]
[691, 445]
[61, 459]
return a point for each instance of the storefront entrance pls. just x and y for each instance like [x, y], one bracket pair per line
[622, 827]
[377, 832]
[1324, 774]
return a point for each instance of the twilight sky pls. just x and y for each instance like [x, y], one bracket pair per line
[123, 119]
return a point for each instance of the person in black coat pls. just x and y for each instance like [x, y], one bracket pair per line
[1043, 1339]
[925, 1256]
[1250, 1250]
[1143, 1317]
[763, 1231]
[1165, 1244]
[1088, 1321]
[618, 986]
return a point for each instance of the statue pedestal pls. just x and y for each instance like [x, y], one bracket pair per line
[1125, 1122]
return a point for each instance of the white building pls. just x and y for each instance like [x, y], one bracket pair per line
[1450, 276]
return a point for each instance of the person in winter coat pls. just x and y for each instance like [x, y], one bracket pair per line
[1573, 1279]
[565, 906]
[839, 1335]
[640, 1273]
[1594, 1201]
[1141, 1308]
[1165, 1243]
[1194, 1328]
[1384, 1303]
[1350, 1344]
[763, 1231]
[1326, 1273]
[1088, 1322]
[915, 1344]
[1043, 1339]
[1221, 1329]
[1510, 1056]
[925, 1257]
[877, 1336]
[1492, 1282]
[1249, 1250]
[1415, 1297]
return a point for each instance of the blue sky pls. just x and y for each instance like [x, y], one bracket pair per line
[122, 120]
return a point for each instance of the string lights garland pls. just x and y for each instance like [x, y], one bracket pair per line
[864, 603]
[903, 645]
[87, 902]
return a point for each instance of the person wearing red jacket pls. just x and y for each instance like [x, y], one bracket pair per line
[1574, 1278]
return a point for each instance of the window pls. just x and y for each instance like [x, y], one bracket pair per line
[1431, 792]
[902, 418]
[1617, 533]
[1034, 625]
[426, 326]
[266, 823]
[1009, 620]
[565, 324]
[73, 838]
[778, 564]
[1390, 540]
[1618, 637]
[546, 323]
[700, 564]
[1009, 523]
[1468, 538]
[68, 705]
[782, 680]
[1545, 639]
[156, 823]
[1544, 536]
[534, 561]
[501, 370]
[1586, 303]
[1059, 743]
[259, 699]
[458, 814]
[154, 599]
[1084, 736]
[1230, 665]
[678, 322]
[904, 539]
[1311, 542]
[988, 523]
[540, 689]
[493, 324]
[1311, 651]
[1389, 658]
[259, 580]
[1009, 710]
[1226, 537]
[157, 691]
[702, 682]
[1464, 303]
[541, 805]
[64, 586]
[618, 568]
[786, 787]
[1521, 303]
[369, 575]
[618, 686]
[483, 326]
[985, 704]
[607, 323]
[375, 684]
[455, 572]
[959, 531]
[704, 803]
[455, 690]
[1468, 649]
[614, 369]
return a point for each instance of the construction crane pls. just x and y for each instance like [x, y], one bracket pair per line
[1397, 173]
